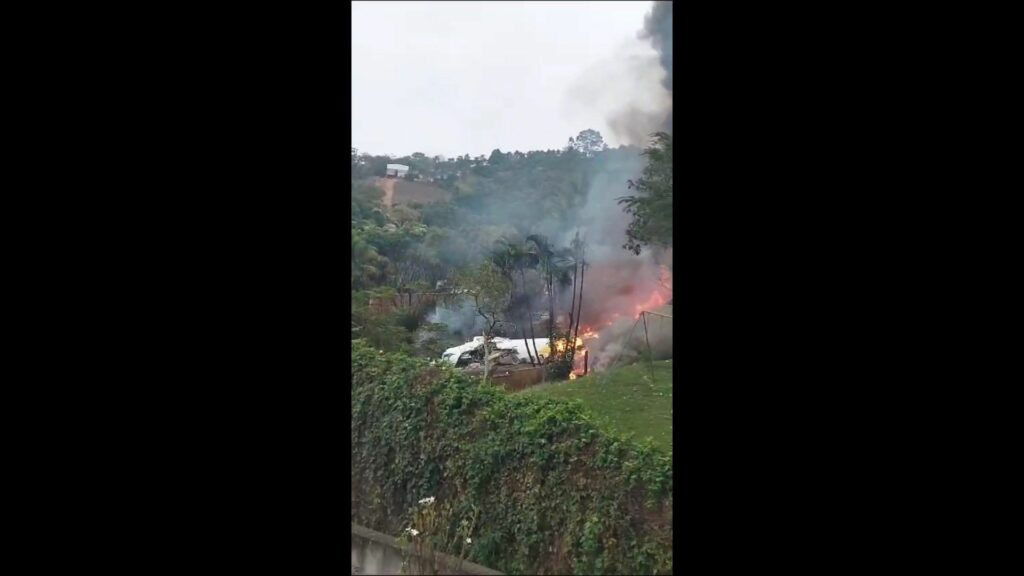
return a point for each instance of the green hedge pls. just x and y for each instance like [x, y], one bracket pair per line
[544, 491]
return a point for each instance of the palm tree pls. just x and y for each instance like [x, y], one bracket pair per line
[523, 259]
[511, 256]
[545, 254]
[579, 263]
[566, 266]
[503, 256]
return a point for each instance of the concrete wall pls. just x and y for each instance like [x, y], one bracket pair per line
[376, 553]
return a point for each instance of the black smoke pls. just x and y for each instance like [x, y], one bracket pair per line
[658, 28]
[645, 112]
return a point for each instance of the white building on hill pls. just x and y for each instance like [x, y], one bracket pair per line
[397, 170]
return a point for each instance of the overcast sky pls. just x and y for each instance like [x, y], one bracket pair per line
[468, 77]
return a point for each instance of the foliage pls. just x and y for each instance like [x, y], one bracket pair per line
[651, 207]
[559, 367]
[433, 340]
[384, 330]
[366, 204]
[489, 288]
[588, 143]
[428, 520]
[505, 194]
[533, 482]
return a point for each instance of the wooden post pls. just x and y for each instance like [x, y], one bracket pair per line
[650, 354]
[586, 354]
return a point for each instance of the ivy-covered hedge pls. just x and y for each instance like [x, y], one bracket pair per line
[532, 481]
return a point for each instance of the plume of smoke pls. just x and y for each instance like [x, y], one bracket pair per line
[645, 109]
[625, 341]
[620, 284]
[617, 283]
[627, 90]
[460, 318]
[658, 28]
[637, 85]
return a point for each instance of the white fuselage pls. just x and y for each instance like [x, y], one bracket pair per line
[452, 355]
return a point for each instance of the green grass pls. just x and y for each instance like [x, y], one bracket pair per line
[624, 400]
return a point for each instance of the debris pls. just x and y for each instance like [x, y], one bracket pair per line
[505, 357]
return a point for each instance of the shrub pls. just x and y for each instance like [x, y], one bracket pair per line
[544, 490]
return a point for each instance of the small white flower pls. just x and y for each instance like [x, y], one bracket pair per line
[412, 531]
[428, 500]
[469, 540]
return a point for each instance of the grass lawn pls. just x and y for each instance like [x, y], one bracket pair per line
[624, 400]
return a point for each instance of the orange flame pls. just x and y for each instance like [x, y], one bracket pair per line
[562, 343]
[655, 301]
[660, 295]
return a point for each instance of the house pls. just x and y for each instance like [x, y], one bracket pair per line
[396, 170]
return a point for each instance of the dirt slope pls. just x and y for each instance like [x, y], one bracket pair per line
[387, 185]
[418, 192]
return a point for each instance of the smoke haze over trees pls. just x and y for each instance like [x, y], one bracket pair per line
[506, 198]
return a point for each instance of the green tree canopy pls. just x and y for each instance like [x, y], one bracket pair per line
[651, 206]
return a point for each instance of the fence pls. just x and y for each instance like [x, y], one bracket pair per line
[515, 380]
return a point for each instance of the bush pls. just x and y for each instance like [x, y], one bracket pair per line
[558, 369]
[543, 489]
[432, 340]
[406, 319]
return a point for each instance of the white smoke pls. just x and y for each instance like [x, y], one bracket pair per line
[459, 317]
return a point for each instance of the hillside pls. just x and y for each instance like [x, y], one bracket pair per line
[624, 400]
[406, 193]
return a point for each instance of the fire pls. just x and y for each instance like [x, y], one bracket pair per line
[580, 356]
[660, 295]
[656, 300]
[561, 344]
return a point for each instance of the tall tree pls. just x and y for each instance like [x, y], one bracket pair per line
[524, 260]
[496, 158]
[512, 257]
[588, 143]
[651, 206]
[489, 288]
[580, 249]
[545, 255]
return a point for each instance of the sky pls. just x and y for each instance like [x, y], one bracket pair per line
[453, 78]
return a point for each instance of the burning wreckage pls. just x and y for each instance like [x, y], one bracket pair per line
[627, 288]
[508, 352]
